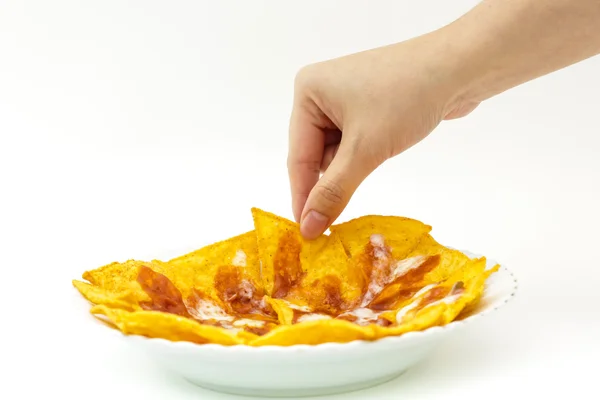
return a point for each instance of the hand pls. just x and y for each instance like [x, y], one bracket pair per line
[353, 113]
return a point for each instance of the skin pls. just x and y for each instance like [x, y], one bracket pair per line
[351, 114]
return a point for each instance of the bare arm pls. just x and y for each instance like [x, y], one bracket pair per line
[503, 43]
[353, 113]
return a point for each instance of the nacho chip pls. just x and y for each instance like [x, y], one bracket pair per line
[450, 260]
[474, 287]
[236, 306]
[199, 268]
[316, 272]
[380, 248]
[283, 309]
[172, 327]
[118, 278]
[315, 332]
[372, 277]
[425, 318]
[125, 299]
[401, 234]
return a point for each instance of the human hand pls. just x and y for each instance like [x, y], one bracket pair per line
[353, 113]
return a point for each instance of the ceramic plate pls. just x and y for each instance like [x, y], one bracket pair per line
[302, 370]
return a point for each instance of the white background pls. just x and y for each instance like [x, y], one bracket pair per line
[129, 128]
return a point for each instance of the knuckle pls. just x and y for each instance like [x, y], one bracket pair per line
[332, 193]
[303, 77]
[304, 166]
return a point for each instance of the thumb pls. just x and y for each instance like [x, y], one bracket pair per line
[333, 191]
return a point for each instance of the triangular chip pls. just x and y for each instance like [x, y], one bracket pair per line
[199, 268]
[120, 279]
[401, 234]
[372, 277]
[316, 272]
[450, 260]
[125, 299]
[315, 332]
[166, 326]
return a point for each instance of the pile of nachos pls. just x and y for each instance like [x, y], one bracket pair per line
[371, 277]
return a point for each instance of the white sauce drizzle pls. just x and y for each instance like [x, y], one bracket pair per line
[297, 307]
[377, 240]
[207, 310]
[239, 260]
[248, 322]
[381, 261]
[313, 317]
[363, 316]
[403, 267]
[424, 290]
[406, 309]
[419, 297]
[447, 300]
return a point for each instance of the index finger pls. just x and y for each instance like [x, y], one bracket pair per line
[305, 152]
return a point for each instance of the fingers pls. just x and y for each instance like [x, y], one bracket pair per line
[306, 145]
[332, 136]
[328, 155]
[333, 191]
[332, 143]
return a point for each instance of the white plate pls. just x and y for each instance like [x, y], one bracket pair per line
[302, 370]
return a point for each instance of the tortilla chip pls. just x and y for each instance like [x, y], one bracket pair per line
[401, 234]
[450, 260]
[285, 313]
[315, 332]
[424, 319]
[172, 327]
[199, 268]
[372, 277]
[474, 288]
[117, 277]
[125, 300]
[316, 272]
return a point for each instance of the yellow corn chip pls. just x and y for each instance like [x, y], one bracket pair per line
[315, 332]
[199, 268]
[316, 272]
[97, 295]
[372, 277]
[425, 318]
[166, 326]
[401, 234]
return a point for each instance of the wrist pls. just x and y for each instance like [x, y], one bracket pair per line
[455, 78]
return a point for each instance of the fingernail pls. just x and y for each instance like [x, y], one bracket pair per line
[313, 225]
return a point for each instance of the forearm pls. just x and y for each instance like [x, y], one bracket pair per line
[503, 43]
